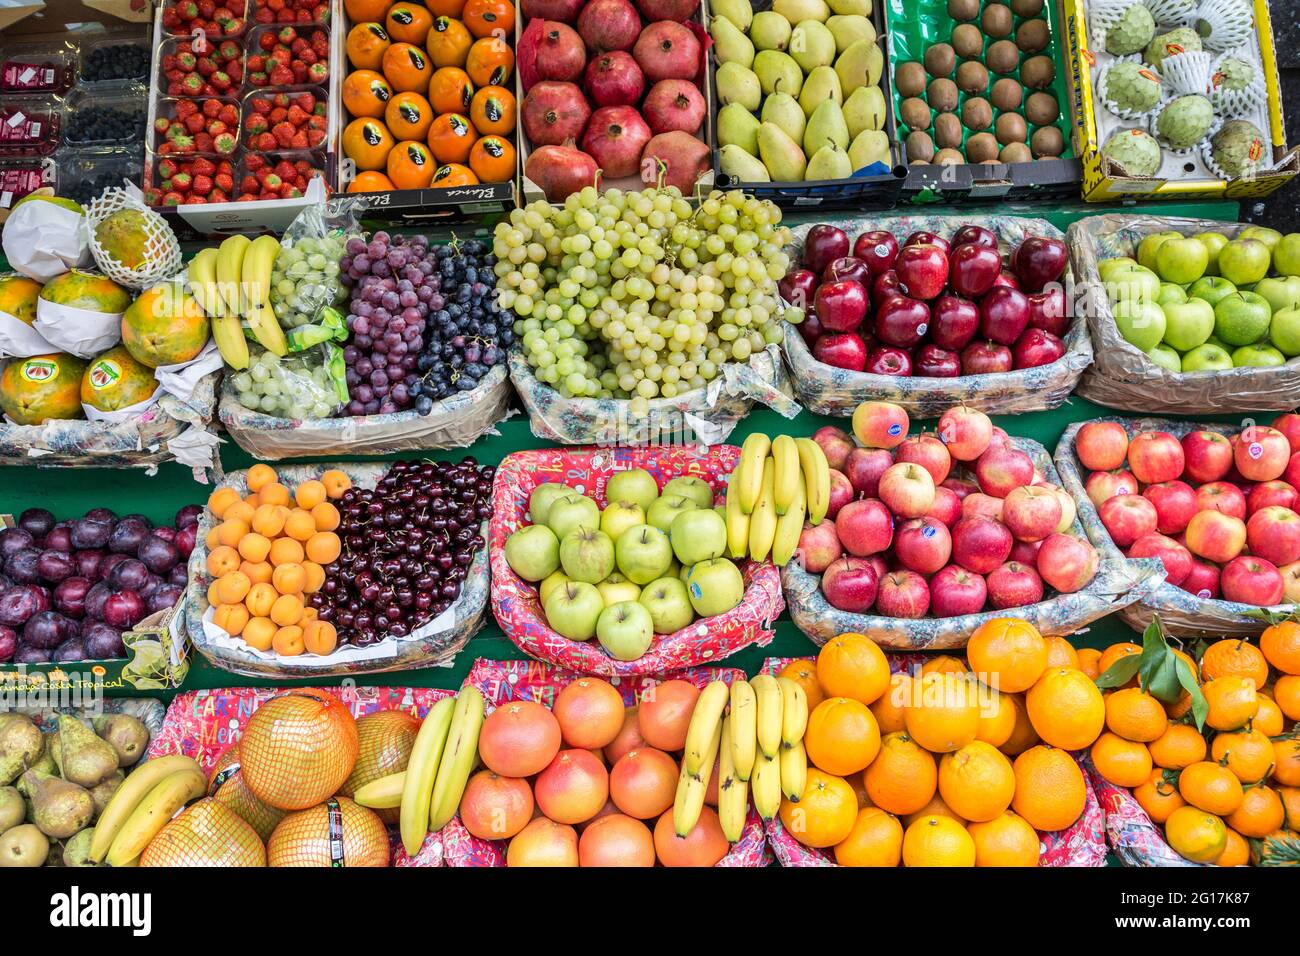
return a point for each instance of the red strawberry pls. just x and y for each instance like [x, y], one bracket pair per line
[224, 143]
[224, 182]
[203, 167]
[318, 73]
[182, 182]
[202, 185]
[281, 75]
[203, 143]
[172, 198]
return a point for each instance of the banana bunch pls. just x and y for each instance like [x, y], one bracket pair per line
[231, 283]
[145, 802]
[777, 485]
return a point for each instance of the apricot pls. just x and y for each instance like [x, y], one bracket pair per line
[220, 500]
[301, 525]
[287, 610]
[259, 476]
[231, 618]
[233, 587]
[326, 516]
[289, 578]
[319, 637]
[259, 632]
[323, 547]
[287, 641]
[286, 551]
[336, 482]
[254, 546]
[222, 560]
[260, 599]
[309, 494]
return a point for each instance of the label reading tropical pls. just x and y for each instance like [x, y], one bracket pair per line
[38, 370]
[104, 373]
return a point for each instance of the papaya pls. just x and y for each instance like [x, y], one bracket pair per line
[86, 290]
[43, 387]
[164, 326]
[114, 380]
[18, 295]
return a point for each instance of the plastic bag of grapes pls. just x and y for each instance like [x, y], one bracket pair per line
[300, 385]
[306, 277]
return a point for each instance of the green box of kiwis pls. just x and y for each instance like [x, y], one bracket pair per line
[982, 99]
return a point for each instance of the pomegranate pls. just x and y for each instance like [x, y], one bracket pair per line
[678, 10]
[614, 79]
[560, 171]
[561, 55]
[675, 157]
[609, 25]
[667, 51]
[615, 138]
[566, 11]
[554, 112]
[674, 104]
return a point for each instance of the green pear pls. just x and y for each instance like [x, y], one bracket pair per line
[812, 45]
[829, 162]
[778, 71]
[861, 8]
[737, 126]
[799, 10]
[781, 155]
[826, 125]
[784, 110]
[864, 109]
[870, 146]
[822, 84]
[734, 161]
[739, 12]
[738, 84]
[730, 45]
[770, 31]
[860, 65]
[848, 30]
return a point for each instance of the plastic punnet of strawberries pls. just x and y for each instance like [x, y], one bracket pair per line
[285, 121]
[290, 11]
[190, 182]
[290, 58]
[209, 126]
[269, 179]
[200, 67]
[202, 16]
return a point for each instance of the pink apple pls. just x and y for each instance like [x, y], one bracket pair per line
[1127, 518]
[1215, 536]
[1267, 494]
[880, 424]
[1273, 533]
[864, 468]
[907, 489]
[923, 545]
[851, 584]
[835, 445]
[1222, 496]
[954, 591]
[1102, 485]
[927, 451]
[1288, 424]
[1014, 585]
[1031, 513]
[1101, 446]
[841, 494]
[1262, 453]
[1066, 563]
[1252, 580]
[1002, 468]
[966, 431]
[982, 504]
[1291, 582]
[1000, 437]
[1175, 503]
[864, 527]
[1207, 456]
[946, 507]
[980, 544]
[903, 594]
[1154, 457]
[819, 545]
[1176, 558]
[1202, 580]
[1025, 552]
[961, 487]
[878, 564]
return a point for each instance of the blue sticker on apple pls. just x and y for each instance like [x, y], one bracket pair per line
[695, 589]
[895, 429]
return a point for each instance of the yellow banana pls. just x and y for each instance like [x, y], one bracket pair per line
[457, 759]
[266, 329]
[382, 794]
[704, 724]
[762, 520]
[794, 771]
[231, 343]
[128, 796]
[230, 273]
[788, 529]
[765, 784]
[689, 800]
[733, 793]
[421, 769]
[744, 728]
[750, 469]
[768, 697]
[737, 520]
[154, 812]
[258, 262]
[816, 478]
[202, 274]
[786, 476]
[794, 711]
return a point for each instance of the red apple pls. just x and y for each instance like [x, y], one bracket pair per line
[1127, 518]
[1101, 446]
[1175, 503]
[880, 424]
[849, 269]
[1202, 580]
[985, 358]
[1291, 582]
[1002, 468]
[901, 321]
[927, 451]
[1215, 536]
[819, 545]
[1222, 496]
[798, 287]
[1154, 457]
[864, 468]
[1007, 279]
[903, 594]
[977, 235]
[922, 237]
[1262, 453]
[1047, 311]
[888, 360]
[1014, 584]
[1269, 493]
[1292, 474]
[922, 269]
[886, 285]
[907, 489]
[878, 249]
[1176, 558]
[841, 306]
[1273, 533]
[961, 487]
[981, 504]
[810, 329]
[1067, 563]
[953, 321]
[923, 545]
[841, 494]
[934, 362]
[1036, 347]
[1207, 456]
[851, 584]
[864, 527]
[1031, 513]
[1102, 485]
[1038, 261]
[1026, 552]
[980, 544]
[846, 351]
[1004, 314]
[1252, 580]
[954, 591]
[1288, 423]
[946, 507]
[1069, 510]
[835, 444]
[823, 245]
[972, 269]
[966, 432]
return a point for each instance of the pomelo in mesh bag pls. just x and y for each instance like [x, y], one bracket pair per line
[42, 387]
[125, 236]
[164, 326]
[86, 290]
[298, 749]
[231, 790]
[205, 834]
[114, 380]
[303, 838]
[18, 295]
[385, 740]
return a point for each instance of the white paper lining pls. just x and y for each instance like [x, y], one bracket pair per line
[80, 332]
[20, 340]
[43, 240]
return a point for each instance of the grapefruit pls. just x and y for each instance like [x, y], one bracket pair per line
[544, 843]
[207, 833]
[227, 787]
[590, 713]
[519, 738]
[643, 782]
[573, 787]
[616, 840]
[665, 714]
[495, 807]
[705, 845]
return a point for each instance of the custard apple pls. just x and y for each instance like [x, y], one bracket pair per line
[1185, 121]
[1131, 32]
[1181, 40]
[1234, 74]
[1134, 149]
[1133, 87]
[1238, 147]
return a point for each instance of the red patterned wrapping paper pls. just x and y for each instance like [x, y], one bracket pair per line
[1134, 837]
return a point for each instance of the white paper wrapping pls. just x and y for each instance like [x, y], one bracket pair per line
[79, 332]
[20, 340]
[43, 240]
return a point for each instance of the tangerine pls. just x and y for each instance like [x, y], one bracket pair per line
[1050, 792]
[1066, 708]
[1247, 753]
[1210, 787]
[1236, 852]
[903, 777]
[1280, 645]
[1233, 656]
[1134, 714]
[977, 781]
[1006, 840]
[1007, 654]
[1261, 812]
[1179, 746]
[1196, 835]
[1232, 701]
[1158, 796]
[1125, 763]
[938, 841]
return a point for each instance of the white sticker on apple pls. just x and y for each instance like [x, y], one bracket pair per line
[1255, 450]
[920, 329]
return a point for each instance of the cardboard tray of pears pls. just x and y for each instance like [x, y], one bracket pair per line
[757, 49]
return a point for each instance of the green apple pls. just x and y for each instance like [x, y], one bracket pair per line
[1281, 293]
[587, 555]
[533, 552]
[1166, 358]
[1171, 293]
[1242, 318]
[715, 587]
[643, 553]
[1286, 255]
[618, 516]
[571, 512]
[1114, 264]
[1188, 324]
[668, 603]
[1211, 289]
[1214, 243]
[1132, 284]
[1284, 331]
[572, 610]
[1270, 237]
[665, 509]
[1257, 356]
[1181, 260]
[680, 571]
[698, 535]
[688, 486]
[550, 583]
[1146, 251]
[1141, 323]
[1207, 358]
[617, 588]
[1244, 261]
[635, 485]
[625, 630]
[1216, 342]
[539, 502]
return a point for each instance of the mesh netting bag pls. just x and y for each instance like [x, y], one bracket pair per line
[152, 253]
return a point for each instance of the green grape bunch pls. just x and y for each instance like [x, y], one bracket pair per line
[640, 295]
[288, 387]
[305, 279]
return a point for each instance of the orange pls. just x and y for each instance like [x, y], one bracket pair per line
[1007, 653]
[977, 781]
[260, 599]
[1006, 840]
[451, 138]
[1268, 719]
[408, 23]
[1291, 803]
[366, 44]
[1089, 659]
[326, 516]
[903, 777]
[1232, 701]
[323, 547]
[1234, 656]
[220, 500]
[825, 813]
[448, 42]
[259, 572]
[451, 175]
[1184, 702]
[997, 719]
[410, 165]
[231, 531]
[287, 641]
[1261, 812]
[300, 525]
[1236, 852]
[231, 618]
[315, 577]
[285, 551]
[1023, 736]
[222, 560]
[336, 482]
[493, 160]
[1280, 645]
[1066, 708]
[259, 476]
[1135, 715]
[407, 68]
[875, 840]
[1286, 694]
[1113, 653]
[1061, 653]
[888, 707]
[1125, 763]
[487, 18]
[1050, 792]
[854, 666]
[936, 807]
[366, 142]
[490, 62]
[842, 736]
[944, 712]
[944, 664]
[1196, 835]
[1181, 745]
[804, 673]
[451, 90]
[233, 587]
[289, 578]
[938, 841]
[273, 493]
[371, 182]
[360, 10]
[409, 116]
[254, 547]
[1210, 787]
[319, 637]
[366, 93]
[1247, 753]
[259, 632]
[1158, 796]
[1286, 761]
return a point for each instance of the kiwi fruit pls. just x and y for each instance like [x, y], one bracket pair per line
[963, 9]
[968, 41]
[1042, 108]
[996, 20]
[1007, 94]
[1010, 128]
[1032, 36]
[1002, 57]
[981, 148]
[910, 79]
[949, 157]
[914, 113]
[1015, 153]
[1038, 72]
[1026, 8]
[942, 95]
[1047, 141]
[972, 77]
[940, 59]
[976, 114]
[920, 147]
[947, 130]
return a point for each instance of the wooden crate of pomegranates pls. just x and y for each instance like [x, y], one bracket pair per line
[930, 311]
